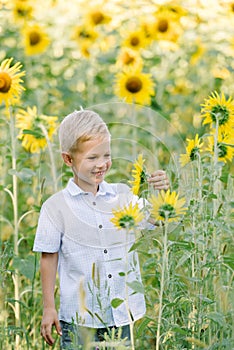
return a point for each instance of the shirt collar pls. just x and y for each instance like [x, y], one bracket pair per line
[104, 188]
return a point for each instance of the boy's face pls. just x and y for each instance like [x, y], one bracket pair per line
[91, 163]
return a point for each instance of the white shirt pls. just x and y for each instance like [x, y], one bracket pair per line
[94, 262]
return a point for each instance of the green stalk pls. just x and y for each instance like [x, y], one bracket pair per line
[51, 155]
[215, 164]
[162, 284]
[14, 198]
[131, 323]
[134, 130]
[215, 191]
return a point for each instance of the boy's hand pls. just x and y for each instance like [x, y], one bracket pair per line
[159, 180]
[49, 319]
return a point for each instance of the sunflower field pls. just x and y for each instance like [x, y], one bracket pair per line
[161, 75]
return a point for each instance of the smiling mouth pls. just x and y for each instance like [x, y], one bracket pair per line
[99, 173]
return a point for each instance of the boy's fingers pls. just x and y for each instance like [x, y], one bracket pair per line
[46, 334]
[58, 327]
[158, 176]
[158, 173]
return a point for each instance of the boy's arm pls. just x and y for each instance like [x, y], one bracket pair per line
[49, 263]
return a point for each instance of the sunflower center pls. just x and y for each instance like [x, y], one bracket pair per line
[167, 211]
[126, 221]
[219, 113]
[193, 154]
[127, 59]
[97, 17]
[142, 177]
[173, 9]
[163, 25]
[22, 12]
[34, 38]
[84, 34]
[135, 41]
[222, 150]
[5, 82]
[133, 85]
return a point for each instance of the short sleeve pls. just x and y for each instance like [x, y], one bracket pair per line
[48, 233]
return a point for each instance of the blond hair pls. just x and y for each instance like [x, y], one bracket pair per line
[78, 127]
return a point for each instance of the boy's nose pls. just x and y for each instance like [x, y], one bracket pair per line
[101, 163]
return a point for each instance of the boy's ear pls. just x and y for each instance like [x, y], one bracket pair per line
[67, 159]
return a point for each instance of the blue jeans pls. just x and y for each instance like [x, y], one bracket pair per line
[76, 337]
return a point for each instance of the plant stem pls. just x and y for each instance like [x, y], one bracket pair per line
[15, 221]
[162, 284]
[51, 155]
[126, 291]
[215, 164]
[134, 130]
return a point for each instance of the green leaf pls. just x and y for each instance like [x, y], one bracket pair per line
[26, 267]
[142, 326]
[121, 274]
[206, 300]
[116, 302]
[217, 318]
[212, 196]
[32, 132]
[178, 329]
[136, 286]
[135, 246]
[184, 258]
[224, 177]
[25, 174]
[229, 260]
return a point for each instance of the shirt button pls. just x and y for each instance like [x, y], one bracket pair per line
[100, 226]
[110, 275]
[105, 251]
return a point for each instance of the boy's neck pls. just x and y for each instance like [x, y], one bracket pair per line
[93, 188]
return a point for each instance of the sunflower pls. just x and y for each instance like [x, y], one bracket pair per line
[164, 28]
[139, 175]
[219, 109]
[97, 17]
[127, 217]
[36, 40]
[22, 10]
[135, 40]
[167, 206]
[85, 49]
[134, 86]
[10, 79]
[193, 149]
[84, 35]
[129, 58]
[31, 134]
[225, 147]
[174, 10]
[231, 7]
[198, 53]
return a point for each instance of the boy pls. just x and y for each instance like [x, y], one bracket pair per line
[76, 236]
